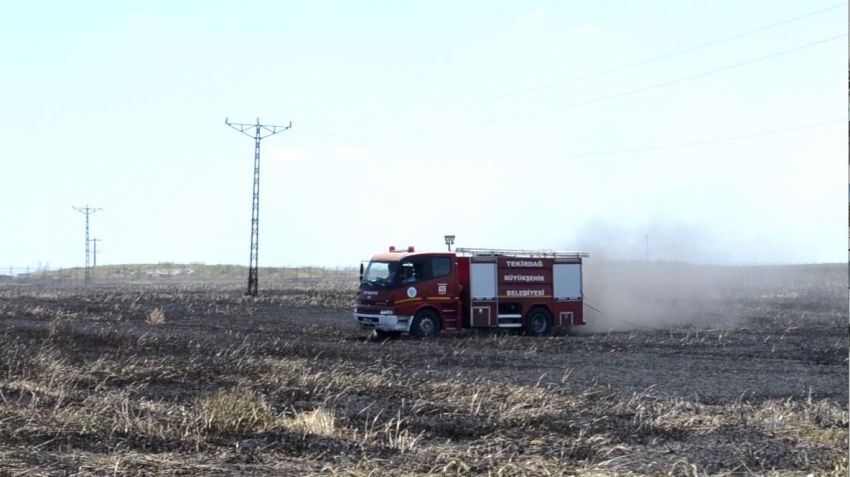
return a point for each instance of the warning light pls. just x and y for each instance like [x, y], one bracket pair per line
[410, 248]
[392, 248]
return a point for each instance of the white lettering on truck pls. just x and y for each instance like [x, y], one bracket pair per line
[525, 278]
[525, 263]
[525, 293]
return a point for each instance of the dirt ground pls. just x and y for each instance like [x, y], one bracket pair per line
[741, 372]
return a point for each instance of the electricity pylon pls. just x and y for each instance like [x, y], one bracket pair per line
[261, 131]
[88, 211]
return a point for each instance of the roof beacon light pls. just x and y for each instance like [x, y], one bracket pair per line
[392, 248]
[410, 248]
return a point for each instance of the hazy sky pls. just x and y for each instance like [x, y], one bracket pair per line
[525, 124]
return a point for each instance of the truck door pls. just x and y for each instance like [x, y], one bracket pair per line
[443, 290]
[412, 276]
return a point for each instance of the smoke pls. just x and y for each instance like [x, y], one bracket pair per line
[651, 277]
[639, 295]
[655, 241]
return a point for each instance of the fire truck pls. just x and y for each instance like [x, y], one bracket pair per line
[428, 292]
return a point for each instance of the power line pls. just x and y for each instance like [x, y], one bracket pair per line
[686, 144]
[580, 78]
[600, 99]
[645, 149]
[260, 132]
[651, 60]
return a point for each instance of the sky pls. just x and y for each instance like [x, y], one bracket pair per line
[707, 132]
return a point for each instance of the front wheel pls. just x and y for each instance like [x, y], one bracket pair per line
[538, 322]
[426, 324]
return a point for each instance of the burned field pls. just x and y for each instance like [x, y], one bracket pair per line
[706, 372]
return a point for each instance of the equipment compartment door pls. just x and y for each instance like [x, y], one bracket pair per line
[482, 284]
[483, 314]
[567, 281]
[482, 281]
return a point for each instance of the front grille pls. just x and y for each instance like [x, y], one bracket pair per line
[370, 310]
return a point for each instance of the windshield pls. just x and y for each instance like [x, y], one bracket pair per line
[380, 273]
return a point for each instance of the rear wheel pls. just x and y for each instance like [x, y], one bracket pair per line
[538, 322]
[426, 324]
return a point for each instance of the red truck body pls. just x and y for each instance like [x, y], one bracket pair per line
[424, 293]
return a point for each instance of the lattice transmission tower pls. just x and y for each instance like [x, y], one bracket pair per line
[94, 265]
[260, 131]
[88, 211]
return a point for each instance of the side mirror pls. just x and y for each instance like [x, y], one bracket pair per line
[361, 271]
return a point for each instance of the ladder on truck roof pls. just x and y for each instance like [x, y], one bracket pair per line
[495, 252]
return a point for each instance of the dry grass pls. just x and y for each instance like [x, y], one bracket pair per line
[318, 422]
[251, 386]
[157, 317]
[235, 412]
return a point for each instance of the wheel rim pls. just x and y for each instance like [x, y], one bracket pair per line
[426, 325]
[538, 323]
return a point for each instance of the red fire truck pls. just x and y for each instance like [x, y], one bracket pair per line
[424, 293]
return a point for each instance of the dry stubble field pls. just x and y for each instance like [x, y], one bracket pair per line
[709, 371]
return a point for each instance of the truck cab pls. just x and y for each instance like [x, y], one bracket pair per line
[405, 291]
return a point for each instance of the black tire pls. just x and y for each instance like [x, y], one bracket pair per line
[426, 324]
[538, 322]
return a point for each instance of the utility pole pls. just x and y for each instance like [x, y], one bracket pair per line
[88, 211]
[94, 265]
[261, 131]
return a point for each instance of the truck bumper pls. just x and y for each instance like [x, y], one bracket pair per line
[383, 322]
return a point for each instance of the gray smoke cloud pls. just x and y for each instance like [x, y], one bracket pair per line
[683, 282]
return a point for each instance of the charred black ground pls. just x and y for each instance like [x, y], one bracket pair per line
[721, 372]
